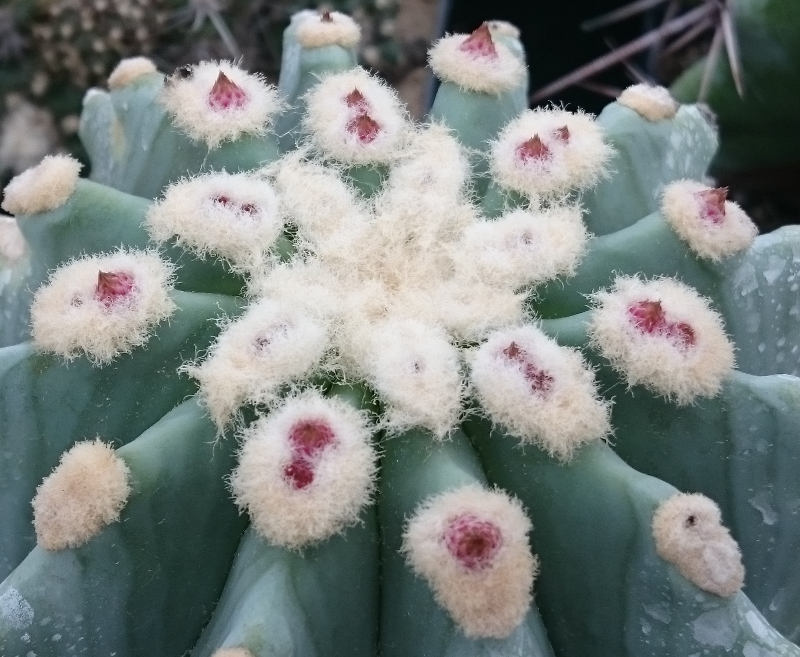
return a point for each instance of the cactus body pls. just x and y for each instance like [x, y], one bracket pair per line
[425, 383]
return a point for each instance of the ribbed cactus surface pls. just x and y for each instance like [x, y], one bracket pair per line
[289, 374]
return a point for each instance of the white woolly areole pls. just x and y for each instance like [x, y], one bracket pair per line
[688, 532]
[714, 237]
[232, 216]
[488, 600]
[333, 124]
[84, 493]
[342, 479]
[68, 319]
[539, 391]
[572, 153]
[434, 168]
[12, 242]
[652, 102]
[416, 370]
[232, 652]
[43, 187]
[325, 208]
[482, 73]
[270, 345]
[524, 247]
[686, 354]
[130, 69]
[187, 100]
[309, 286]
[335, 29]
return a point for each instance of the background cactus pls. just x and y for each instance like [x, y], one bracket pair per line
[395, 395]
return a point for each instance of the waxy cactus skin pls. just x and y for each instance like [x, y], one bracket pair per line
[297, 376]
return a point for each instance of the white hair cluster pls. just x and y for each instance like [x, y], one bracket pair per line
[43, 187]
[214, 102]
[713, 227]
[269, 346]
[651, 102]
[546, 153]
[539, 391]
[305, 471]
[230, 216]
[102, 306]
[662, 334]
[476, 62]
[129, 70]
[355, 118]
[85, 492]
[316, 29]
[471, 546]
[12, 242]
[688, 532]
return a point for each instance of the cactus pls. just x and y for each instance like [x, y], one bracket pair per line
[290, 375]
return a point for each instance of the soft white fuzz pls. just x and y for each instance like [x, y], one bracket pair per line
[658, 359]
[574, 159]
[336, 29]
[343, 472]
[230, 216]
[83, 494]
[486, 74]
[130, 69]
[539, 391]
[487, 601]
[330, 121]
[714, 238]
[270, 345]
[688, 532]
[43, 187]
[524, 247]
[12, 242]
[652, 102]
[187, 100]
[325, 208]
[232, 652]
[69, 320]
[309, 286]
[416, 370]
[433, 169]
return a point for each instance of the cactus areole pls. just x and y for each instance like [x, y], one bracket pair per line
[290, 374]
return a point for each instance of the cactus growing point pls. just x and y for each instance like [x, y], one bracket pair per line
[363, 396]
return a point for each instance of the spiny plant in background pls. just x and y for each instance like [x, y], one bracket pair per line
[304, 378]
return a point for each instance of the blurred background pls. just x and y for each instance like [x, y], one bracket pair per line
[741, 57]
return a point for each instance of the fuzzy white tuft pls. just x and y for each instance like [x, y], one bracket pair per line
[232, 652]
[688, 532]
[337, 479]
[539, 391]
[43, 187]
[709, 233]
[187, 99]
[232, 216]
[317, 29]
[69, 319]
[369, 131]
[12, 242]
[432, 171]
[482, 73]
[416, 370]
[326, 210]
[683, 354]
[546, 153]
[652, 102]
[270, 345]
[487, 594]
[308, 286]
[523, 247]
[129, 70]
[85, 492]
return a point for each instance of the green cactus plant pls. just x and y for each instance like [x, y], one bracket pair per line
[300, 377]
